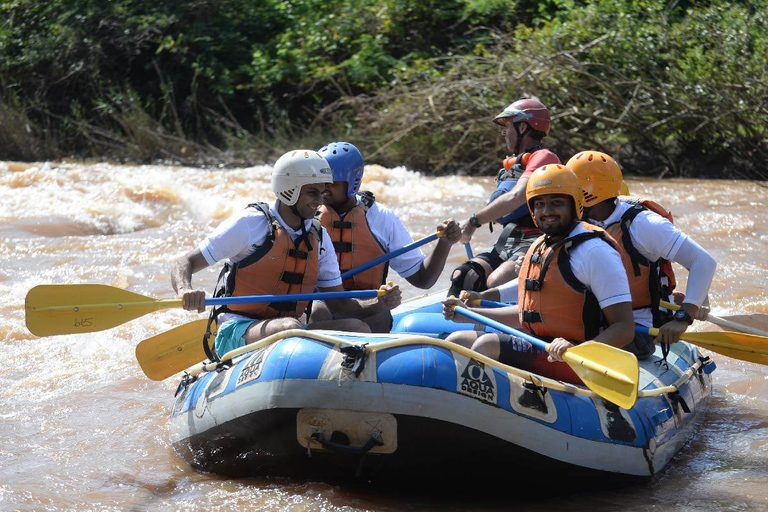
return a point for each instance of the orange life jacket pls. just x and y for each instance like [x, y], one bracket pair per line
[355, 244]
[649, 281]
[513, 167]
[553, 303]
[279, 266]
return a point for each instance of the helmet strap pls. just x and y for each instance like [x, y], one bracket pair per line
[304, 233]
[520, 134]
[350, 203]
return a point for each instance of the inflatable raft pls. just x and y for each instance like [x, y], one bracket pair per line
[395, 406]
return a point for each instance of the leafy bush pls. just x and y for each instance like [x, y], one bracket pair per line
[675, 88]
[652, 87]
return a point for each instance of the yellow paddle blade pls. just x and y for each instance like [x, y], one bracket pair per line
[747, 347]
[82, 308]
[610, 372]
[173, 351]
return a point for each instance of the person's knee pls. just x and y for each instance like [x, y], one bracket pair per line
[290, 323]
[342, 324]
[356, 325]
[470, 275]
[506, 272]
[260, 330]
[463, 338]
[488, 345]
[380, 322]
[455, 336]
[320, 312]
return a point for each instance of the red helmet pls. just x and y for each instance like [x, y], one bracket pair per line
[529, 110]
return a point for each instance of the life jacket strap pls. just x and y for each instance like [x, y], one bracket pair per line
[531, 317]
[342, 246]
[283, 306]
[298, 254]
[509, 230]
[532, 285]
[292, 278]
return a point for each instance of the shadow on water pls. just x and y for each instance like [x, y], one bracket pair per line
[493, 488]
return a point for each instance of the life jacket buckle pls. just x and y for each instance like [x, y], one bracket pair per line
[531, 317]
[533, 285]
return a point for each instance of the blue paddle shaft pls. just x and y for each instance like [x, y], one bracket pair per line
[386, 257]
[493, 304]
[501, 327]
[468, 247]
[261, 299]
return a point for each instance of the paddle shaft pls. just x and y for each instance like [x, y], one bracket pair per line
[261, 299]
[493, 304]
[468, 248]
[158, 304]
[722, 322]
[501, 327]
[390, 255]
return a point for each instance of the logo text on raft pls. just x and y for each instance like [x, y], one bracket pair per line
[475, 381]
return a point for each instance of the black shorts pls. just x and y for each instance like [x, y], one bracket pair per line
[517, 352]
[642, 346]
[512, 248]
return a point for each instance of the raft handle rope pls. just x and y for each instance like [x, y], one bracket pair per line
[186, 380]
[546, 382]
[355, 356]
[328, 444]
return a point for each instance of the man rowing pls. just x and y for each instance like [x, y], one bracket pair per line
[275, 249]
[648, 242]
[572, 285]
[525, 123]
[362, 230]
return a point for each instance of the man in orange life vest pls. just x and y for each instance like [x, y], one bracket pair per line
[363, 229]
[572, 285]
[275, 249]
[648, 242]
[525, 123]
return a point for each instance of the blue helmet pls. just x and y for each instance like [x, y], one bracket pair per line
[346, 163]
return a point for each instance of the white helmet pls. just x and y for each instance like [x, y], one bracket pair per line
[295, 169]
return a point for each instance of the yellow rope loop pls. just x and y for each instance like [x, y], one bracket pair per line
[541, 381]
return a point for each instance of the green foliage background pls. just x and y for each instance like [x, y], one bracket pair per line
[670, 89]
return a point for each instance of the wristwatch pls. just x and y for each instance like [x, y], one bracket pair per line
[683, 316]
[473, 221]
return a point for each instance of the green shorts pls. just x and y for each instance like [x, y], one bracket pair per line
[232, 335]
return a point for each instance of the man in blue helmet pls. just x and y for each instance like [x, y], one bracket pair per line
[362, 229]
